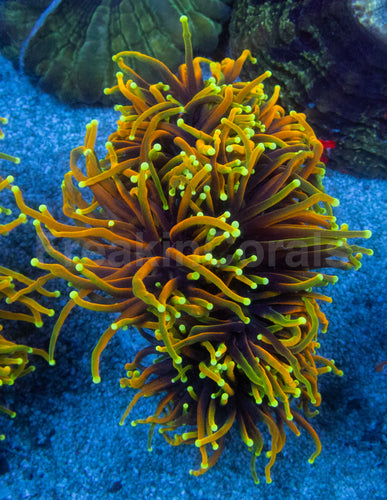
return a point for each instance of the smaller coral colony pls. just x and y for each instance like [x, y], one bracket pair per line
[206, 229]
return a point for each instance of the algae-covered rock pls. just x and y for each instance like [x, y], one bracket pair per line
[330, 59]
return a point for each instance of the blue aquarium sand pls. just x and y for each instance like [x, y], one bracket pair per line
[65, 442]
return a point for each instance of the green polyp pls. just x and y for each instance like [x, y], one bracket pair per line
[191, 392]
[238, 254]
[177, 360]
[224, 397]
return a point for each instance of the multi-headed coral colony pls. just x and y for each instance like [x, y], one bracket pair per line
[208, 220]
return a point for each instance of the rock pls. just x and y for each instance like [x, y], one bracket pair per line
[330, 59]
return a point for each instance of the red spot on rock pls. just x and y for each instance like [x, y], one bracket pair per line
[328, 145]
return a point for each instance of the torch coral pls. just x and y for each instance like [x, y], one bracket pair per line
[14, 359]
[4, 156]
[209, 221]
[15, 288]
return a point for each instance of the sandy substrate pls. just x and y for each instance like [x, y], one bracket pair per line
[65, 442]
